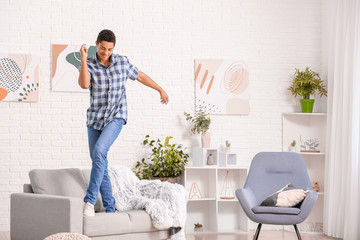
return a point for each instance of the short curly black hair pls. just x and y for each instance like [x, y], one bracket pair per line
[106, 35]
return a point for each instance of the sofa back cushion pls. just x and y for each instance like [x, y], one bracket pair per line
[99, 204]
[63, 182]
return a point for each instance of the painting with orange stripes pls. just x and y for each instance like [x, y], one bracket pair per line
[19, 78]
[221, 86]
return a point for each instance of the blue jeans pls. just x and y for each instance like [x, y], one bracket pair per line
[100, 142]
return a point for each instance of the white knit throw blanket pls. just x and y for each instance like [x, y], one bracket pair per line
[164, 202]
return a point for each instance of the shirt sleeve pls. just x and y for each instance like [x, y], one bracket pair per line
[132, 71]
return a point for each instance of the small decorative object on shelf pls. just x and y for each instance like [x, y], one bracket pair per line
[210, 160]
[227, 146]
[293, 146]
[315, 186]
[307, 83]
[309, 145]
[195, 192]
[227, 191]
[198, 227]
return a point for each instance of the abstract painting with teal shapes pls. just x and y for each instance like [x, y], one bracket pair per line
[19, 78]
[66, 61]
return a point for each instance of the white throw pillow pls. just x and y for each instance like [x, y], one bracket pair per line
[288, 196]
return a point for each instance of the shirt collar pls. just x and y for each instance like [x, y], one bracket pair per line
[100, 64]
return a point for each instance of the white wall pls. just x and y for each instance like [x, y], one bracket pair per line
[162, 38]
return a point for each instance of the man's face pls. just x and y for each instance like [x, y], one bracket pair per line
[104, 50]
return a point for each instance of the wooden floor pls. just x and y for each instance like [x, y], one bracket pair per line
[264, 235]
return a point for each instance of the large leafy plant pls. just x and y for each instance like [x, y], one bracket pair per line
[306, 83]
[200, 120]
[166, 160]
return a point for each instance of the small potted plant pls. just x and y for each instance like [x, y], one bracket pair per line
[293, 146]
[227, 146]
[304, 84]
[198, 227]
[201, 125]
[166, 162]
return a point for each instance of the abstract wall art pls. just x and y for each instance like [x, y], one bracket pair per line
[221, 87]
[65, 63]
[19, 78]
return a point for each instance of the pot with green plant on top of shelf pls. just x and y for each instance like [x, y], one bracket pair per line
[306, 83]
[201, 125]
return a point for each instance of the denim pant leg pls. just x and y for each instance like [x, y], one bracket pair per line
[99, 145]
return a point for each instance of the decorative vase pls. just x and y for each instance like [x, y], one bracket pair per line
[293, 149]
[198, 229]
[205, 140]
[210, 160]
[228, 149]
[307, 105]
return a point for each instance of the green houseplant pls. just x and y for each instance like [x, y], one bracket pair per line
[201, 125]
[306, 83]
[166, 160]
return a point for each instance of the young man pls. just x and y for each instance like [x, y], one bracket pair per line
[105, 74]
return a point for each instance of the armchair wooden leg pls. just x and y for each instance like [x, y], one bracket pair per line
[257, 231]
[297, 232]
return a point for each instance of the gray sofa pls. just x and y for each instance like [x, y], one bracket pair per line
[53, 203]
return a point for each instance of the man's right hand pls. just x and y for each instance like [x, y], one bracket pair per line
[83, 52]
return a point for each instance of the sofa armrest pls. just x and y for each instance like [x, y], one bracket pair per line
[36, 216]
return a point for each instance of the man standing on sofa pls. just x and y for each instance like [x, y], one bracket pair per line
[105, 74]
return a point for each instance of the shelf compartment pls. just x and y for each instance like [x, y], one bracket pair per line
[205, 180]
[203, 212]
[231, 217]
[304, 126]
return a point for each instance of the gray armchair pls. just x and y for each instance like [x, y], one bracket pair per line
[269, 172]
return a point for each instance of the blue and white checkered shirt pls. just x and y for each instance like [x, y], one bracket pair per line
[107, 90]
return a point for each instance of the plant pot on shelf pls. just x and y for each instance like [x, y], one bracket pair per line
[307, 105]
[164, 179]
[205, 140]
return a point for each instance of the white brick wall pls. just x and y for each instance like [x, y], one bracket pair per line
[162, 38]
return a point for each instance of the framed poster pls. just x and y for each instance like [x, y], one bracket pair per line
[19, 78]
[221, 86]
[66, 61]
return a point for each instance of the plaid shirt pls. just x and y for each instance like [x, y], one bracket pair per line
[107, 90]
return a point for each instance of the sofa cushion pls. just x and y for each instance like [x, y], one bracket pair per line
[99, 204]
[133, 221]
[276, 210]
[63, 182]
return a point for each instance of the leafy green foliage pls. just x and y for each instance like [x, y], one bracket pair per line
[227, 144]
[201, 121]
[306, 83]
[166, 160]
[198, 225]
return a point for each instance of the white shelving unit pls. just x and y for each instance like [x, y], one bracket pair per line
[308, 126]
[214, 213]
